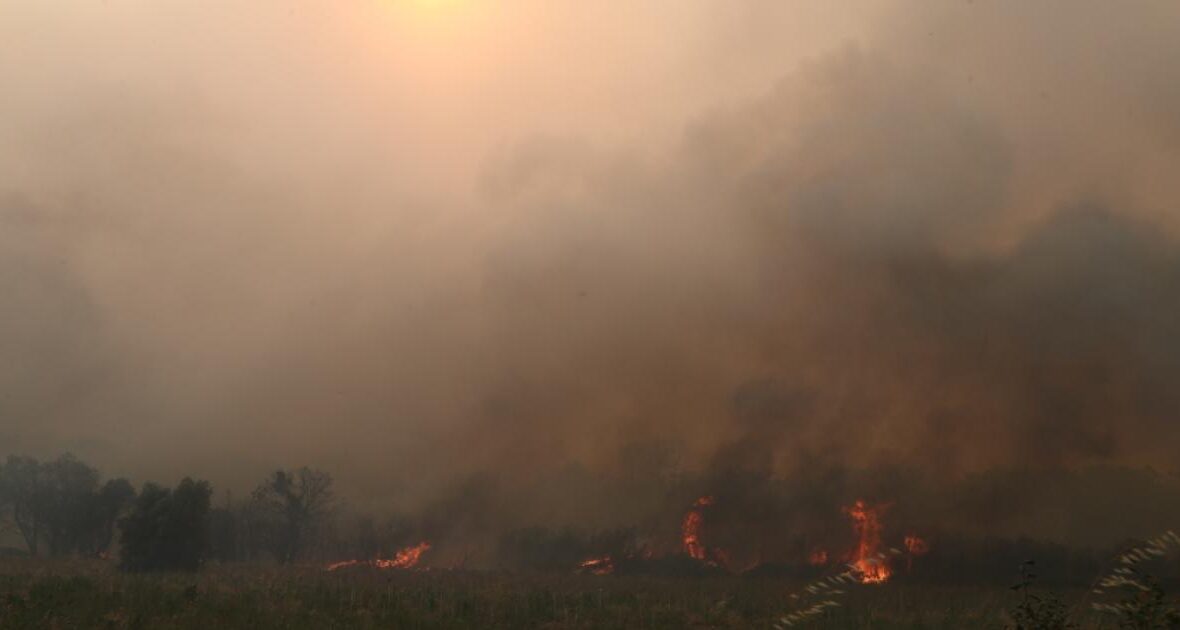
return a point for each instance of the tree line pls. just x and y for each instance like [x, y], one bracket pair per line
[64, 508]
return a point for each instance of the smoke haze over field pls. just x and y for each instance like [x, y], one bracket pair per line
[410, 243]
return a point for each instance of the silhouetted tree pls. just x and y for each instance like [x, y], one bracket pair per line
[115, 497]
[67, 495]
[293, 503]
[20, 485]
[5, 502]
[240, 531]
[60, 506]
[225, 535]
[167, 530]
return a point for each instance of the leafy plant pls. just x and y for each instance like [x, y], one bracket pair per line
[1036, 612]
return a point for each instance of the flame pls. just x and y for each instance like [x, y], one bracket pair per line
[691, 529]
[406, 558]
[866, 558]
[599, 566]
[916, 546]
[818, 558]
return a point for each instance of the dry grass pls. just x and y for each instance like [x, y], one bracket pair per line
[91, 594]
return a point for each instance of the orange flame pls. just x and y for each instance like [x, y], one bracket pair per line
[406, 558]
[691, 529]
[818, 558]
[599, 566]
[866, 558]
[916, 546]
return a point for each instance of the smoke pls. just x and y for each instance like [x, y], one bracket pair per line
[945, 238]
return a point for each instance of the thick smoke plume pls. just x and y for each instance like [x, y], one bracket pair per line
[945, 239]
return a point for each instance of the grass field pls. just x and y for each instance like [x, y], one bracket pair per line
[85, 594]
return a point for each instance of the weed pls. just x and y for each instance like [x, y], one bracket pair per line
[1036, 611]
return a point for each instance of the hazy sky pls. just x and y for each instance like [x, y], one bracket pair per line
[406, 240]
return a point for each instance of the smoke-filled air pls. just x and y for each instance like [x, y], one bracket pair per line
[746, 284]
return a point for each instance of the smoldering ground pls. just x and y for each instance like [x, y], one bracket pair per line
[945, 239]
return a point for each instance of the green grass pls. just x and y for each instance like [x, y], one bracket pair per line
[93, 595]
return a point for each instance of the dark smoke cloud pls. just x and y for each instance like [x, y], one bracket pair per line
[951, 244]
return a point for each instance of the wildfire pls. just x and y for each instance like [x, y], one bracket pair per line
[916, 546]
[406, 558]
[599, 566]
[691, 529]
[818, 558]
[867, 558]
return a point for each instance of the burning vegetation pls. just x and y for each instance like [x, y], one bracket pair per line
[693, 522]
[866, 558]
[405, 558]
[916, 546]
[598, 566]
[818, 558]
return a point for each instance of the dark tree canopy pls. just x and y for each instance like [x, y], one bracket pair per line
[293, 503]
[167, 530]
[20, 485]
[115, 496]
[59, 507]
[68, 494]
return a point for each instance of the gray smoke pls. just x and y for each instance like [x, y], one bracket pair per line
[949, 240]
